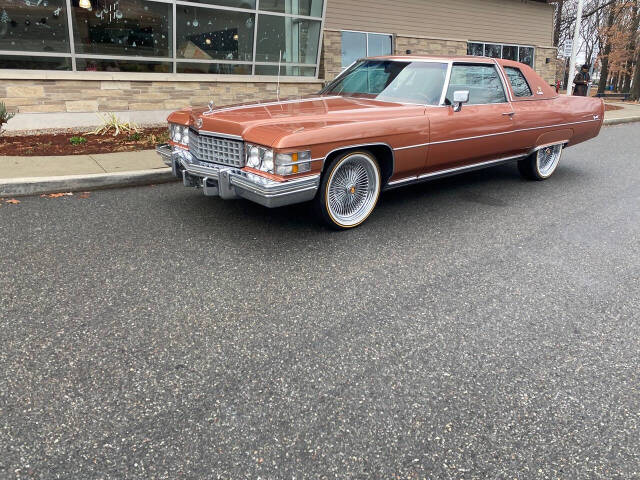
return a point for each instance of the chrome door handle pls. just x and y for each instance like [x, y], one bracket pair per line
[511, 114]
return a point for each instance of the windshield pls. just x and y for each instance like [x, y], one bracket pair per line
[393, 81]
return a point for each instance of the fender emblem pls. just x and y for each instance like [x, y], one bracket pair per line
[199, 123]
[596, 117]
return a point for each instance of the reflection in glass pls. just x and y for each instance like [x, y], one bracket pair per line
[510, 52]
[308, 8]
[354, 47]
[526, 55]
[249, 4]
[475, 49]
[482, 82]
[35, 63]
[296, 38]
[286, 70]
[414, 82]
[39, 26]
[215, 68]
[105, 65]
[378, 45]
[211, 34]
[492, 50]
[123, 28]
[519, 84]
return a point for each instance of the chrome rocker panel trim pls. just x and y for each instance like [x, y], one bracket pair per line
[230, 182]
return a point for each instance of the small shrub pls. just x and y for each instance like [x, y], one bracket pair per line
[4, 116]
[135, 137]
[111, 122]
[77, 140]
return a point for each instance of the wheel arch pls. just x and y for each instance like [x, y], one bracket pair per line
[382, 152]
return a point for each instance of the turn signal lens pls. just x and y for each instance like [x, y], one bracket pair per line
[292, 163]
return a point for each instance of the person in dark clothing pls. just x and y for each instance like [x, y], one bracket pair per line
[581, 82]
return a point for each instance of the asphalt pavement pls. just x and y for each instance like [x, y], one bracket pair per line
[476, 327]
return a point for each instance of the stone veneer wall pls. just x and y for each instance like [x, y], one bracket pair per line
[429, 46]
[546, 70]
[54, 96]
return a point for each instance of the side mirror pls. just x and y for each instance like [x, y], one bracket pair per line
[460, 97]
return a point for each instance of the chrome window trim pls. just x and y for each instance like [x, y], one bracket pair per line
[496, 66]
[494, 134]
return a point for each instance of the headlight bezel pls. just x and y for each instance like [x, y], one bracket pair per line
[179, 134]
[265, 159]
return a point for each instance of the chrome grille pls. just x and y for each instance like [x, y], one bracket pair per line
[216, 149]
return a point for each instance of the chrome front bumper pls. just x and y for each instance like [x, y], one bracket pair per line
[230, 182]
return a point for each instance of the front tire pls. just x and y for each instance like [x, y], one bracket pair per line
[349, 190]
[541, 164]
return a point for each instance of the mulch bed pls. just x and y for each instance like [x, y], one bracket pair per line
[60, 144]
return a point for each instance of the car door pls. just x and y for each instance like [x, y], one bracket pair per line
[480, 131]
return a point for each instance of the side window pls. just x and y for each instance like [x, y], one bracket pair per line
[518, 83]
[482, 81]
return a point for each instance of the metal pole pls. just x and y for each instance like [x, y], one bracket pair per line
[574, 47]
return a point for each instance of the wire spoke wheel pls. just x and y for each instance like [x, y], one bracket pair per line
[547, 160]
[352, 189]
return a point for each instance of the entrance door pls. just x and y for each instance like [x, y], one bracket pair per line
[481, 130]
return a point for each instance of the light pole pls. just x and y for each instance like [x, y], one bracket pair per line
[574, 47]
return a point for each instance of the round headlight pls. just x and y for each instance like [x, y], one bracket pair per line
[267, 161]
[253, 160]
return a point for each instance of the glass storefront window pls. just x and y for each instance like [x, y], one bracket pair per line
[307, 8]
[476, 49]
[492, 50]
[38, 26]
[105, 65]
[378, 45]
[214, 68]
[123, 28]
[526, 56]
[354, 47]
[211, 34]
[286, 70]
[248, 4]
[24, 62]
[296, 38]
[498, 50]
[236, 37]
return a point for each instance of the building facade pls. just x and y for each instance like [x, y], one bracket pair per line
[62, 61]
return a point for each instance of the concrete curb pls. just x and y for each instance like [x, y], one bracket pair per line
[74, 183]
[618, 121]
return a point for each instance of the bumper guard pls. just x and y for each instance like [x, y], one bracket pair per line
[230, 182]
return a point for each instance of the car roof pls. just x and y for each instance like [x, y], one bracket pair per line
[439, 58]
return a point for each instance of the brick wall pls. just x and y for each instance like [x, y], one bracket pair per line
[54, 96]
[331, 59]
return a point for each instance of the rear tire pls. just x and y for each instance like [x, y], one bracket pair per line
[541, 164]
[349, 190]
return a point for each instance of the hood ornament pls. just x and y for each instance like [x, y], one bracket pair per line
[211, 105]
[199, 123]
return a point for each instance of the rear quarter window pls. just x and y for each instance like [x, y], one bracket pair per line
[518, 82]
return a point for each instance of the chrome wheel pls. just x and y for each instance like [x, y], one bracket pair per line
[352, 190]
[547, 160]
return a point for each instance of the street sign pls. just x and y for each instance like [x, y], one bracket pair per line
[566, 50]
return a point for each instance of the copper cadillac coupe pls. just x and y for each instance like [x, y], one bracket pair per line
[383, 123]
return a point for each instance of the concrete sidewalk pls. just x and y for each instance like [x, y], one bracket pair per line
[35, 175]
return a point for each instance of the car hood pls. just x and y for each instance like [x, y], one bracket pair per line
[272, 123]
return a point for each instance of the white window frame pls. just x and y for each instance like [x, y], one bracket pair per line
[502, 45]
[342, 69]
